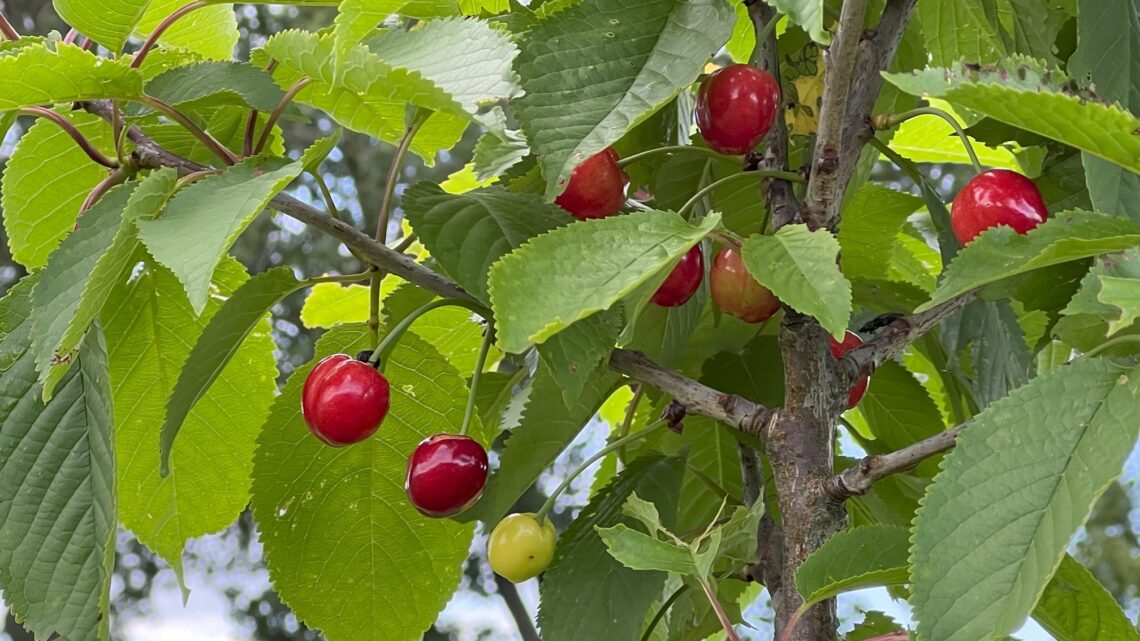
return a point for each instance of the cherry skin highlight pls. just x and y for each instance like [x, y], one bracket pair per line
[596, 188]
[851, 340]
[446, 474]
[736, 106]
[997, 197]
[344, 400]
[736, 293]
[683, 281]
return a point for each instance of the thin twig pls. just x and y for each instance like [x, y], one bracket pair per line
[7, 30]
[858, 479]
[719, 609]
[893, 120]
[518, 611]
[161, 28]
[88, 148]
[251, 121]
[215, 147]
[394, 177]
[275, 115]
[116, 177]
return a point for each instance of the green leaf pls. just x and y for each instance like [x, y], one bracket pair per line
[682, 175]
[712, 454]
[108, 23]
[601, 67]
[1000, 359]
[211, 31]
[871, 556]
[568, 274]
[932, 139]
[452, 330]
[45, 183]
[1124, 294]
[203, 220]
[1035, 28]
[329, 304]
[875, 624]
[495, 154]
[219, 342]
[1000, 252]
[1087, 300]
[467, 233]
[150, 328]
[639, 551]
[1023, 477]
[209, 84]
[1024, 94]
[57, 486]
[316, 153]
[899, 412]
[574, 355]
[808, 14]
[83, 271]
[355, 19]
[43, 76]
[799, 266]
[547, 425]
[959, 30]
[585, 578]
[872, 219]
[384, 562]
[1076, 607]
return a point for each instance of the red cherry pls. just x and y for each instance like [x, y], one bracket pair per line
[683, 281]
[344, 400]
[736, 106]
[446, 474]
[851, 340]
[736, 292]
[997, 197]
[596, 188]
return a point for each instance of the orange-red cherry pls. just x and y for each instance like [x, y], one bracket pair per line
[851, 340]
[683, 281]
[446, 474]
[736, 292]
[344, 400]
[736, 106]
[997, 197]
[596, 188]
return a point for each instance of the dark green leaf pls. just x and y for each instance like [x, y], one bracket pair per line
[209, 84]
[865, 557]
[574, 354]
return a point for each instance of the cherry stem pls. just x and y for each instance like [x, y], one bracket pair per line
[394, 336]
[251, 122]
[630, 413]
[336, 278]
[81, 140]
[789, 176]
[621, 442]
[194, 177]
[719, 609]
[374, 306]
[662, 611]
[891, 121]
[217, 148]
[116, 177]
[473, 391]
[9, 32]
[403, 244]
[140, 55]
[1109, 344]
[275, 115]
[72, 34]
[768, 29]
[704, 151]
[727, 238]
[898, 159]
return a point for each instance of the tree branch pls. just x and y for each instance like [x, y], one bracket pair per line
[824, 191]
[523, 622]
[857, 480]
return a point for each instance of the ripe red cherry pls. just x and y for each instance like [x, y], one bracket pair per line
[596, 188]
[736, 292]
[683, 281]
[851, 340]
[736, 107]
[344, 400]
[446, 474]
[997, 197]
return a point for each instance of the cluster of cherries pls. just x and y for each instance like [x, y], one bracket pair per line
[345, 399]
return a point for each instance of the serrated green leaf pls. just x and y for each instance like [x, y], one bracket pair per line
[316, 153]
[108, 23]
[150, 328]
[226, 124]
[467, 233]
[1124, 294]
[601, 67]
[496, 153]
[808, 14]
[899, 412]
[355, 19]
[872, 219]
[1076, 607]
[66, 73]
[546, 427]
[83, 271]
[1000, 359]
[57, 486]
[209, 84]
[391, 567]
[452, 330]
[681, 176]
[958, 30]
[1021, 92]
[1001, 253]
[933, 140]
[738, 547]
[871, 556]
[712, 452]
[45, 183]
[329, 304]
[1110, 290]
[574, 354]
[218, 343]
[994, 525]
[585, 578]
[644, 511]
[568, 274]
[1034, 28]
[799, 266]
[211, 31]
[874, 624]
[639, 551]
[203, 220]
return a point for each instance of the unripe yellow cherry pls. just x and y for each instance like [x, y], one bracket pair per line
[520, 547]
